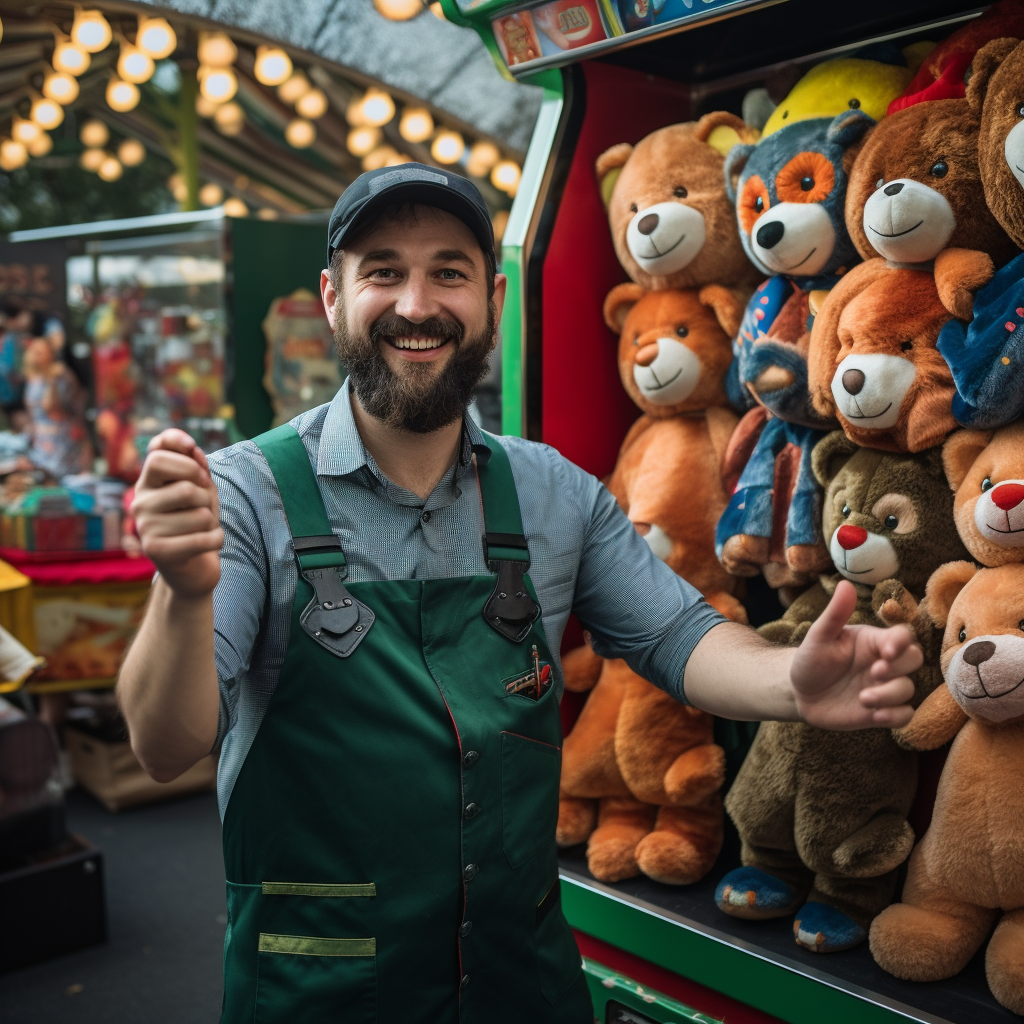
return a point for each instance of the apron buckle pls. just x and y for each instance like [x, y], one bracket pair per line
[334, 618]
[510, 610]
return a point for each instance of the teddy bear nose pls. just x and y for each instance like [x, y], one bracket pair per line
[894, 189]
[979, 651]
[770, 234]
[646, 355]
[850, 537]
[853, 381]
[647, 224]
[1007, 496]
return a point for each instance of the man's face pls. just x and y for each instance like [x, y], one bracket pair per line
[412, 320]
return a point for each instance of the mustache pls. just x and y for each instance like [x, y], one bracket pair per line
[391, 325]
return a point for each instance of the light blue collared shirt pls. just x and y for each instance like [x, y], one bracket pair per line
[585, 558]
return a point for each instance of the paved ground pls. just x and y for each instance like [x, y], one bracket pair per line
[165, 906]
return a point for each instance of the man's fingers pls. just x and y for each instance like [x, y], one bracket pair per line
[170, 550]
[829, 625]
[172, 497]
[890, 694]
[176, 524]
[163, 466]
[894, 641]
[893, 718]
[909, 661]
[172, 440]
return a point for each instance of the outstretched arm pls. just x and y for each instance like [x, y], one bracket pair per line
[840, 677]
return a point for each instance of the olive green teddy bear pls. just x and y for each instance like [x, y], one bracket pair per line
[823, 815]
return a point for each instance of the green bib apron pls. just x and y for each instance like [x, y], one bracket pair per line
[389, 843]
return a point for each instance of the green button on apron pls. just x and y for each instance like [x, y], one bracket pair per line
[390, 840]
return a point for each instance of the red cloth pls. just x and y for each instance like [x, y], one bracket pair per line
[111, 567]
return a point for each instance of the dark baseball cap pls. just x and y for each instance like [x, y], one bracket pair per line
[409, 183]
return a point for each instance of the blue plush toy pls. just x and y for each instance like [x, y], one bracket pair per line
[790, 192]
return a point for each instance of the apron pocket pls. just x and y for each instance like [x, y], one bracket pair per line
[529, 796]
[316, 980]
[558, 957]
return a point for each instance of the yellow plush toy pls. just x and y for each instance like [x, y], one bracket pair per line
[857, 83]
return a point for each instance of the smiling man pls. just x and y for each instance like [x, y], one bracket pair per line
[364, 609]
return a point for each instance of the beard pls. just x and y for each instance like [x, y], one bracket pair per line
[421, 399]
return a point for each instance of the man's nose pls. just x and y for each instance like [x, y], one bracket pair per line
[416, 301]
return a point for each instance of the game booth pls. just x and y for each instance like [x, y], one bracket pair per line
[791, 217]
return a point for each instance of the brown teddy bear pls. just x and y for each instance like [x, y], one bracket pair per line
[872, 361]
[915, 187]
[672, 223]
[967, 872]
[823, 815]
[640, 772]
[986, 470]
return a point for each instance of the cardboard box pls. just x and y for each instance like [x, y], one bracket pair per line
[112, 773]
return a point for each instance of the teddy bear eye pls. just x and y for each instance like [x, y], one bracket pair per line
[962, 635]
[1020, 625]
[759, 204]
[854, 104]
[986, 484]
[906, 346]
[679, 192]
[880, 183]
[682, 331]
[807, 183]
[846, 510]
[632, 207]
[890, 522]
[1020, 109]
[636, 339]
[939, 168]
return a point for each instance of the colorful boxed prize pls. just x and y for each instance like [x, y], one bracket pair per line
[517, 38]
[569, 24]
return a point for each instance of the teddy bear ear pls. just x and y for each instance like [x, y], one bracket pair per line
[829, 456]
[849, 127]
[961, 451]
[727, 306]
[735, 160]
[620, 300]
[984, 65]
[722, 130]
[943, 587]
[608, 167]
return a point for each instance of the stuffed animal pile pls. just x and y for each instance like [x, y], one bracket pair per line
[850, 285]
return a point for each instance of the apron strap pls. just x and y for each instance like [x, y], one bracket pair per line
[316, 547]
[504, 540]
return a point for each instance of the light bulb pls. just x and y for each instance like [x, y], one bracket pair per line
[12, 155]
[498, 223]
[362, 140]
[40, 146]
[24, 131]
[70, 58]
[399, 10]
[110, 169]
[505, 176]
[216, 50]
[47, 113]
[273, 65]
[416, 125]
[131, 152]
[122, 96]
[230, 118]
[217, 84]
[354, 113]
[267, 213]
[377, 107]
[312, 105]
[134, 64]
[61, 87]
[205, 107]
[482, 157]
[91, 31]
[234, 207]
[300, 133]
[378, 158]
[92, 158]
[296, 86]
[156, 37]
[397, 159]
[94, 133]
[447, 147]
[211, 194]
[176, 185]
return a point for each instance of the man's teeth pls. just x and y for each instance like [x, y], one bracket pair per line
[418, 343]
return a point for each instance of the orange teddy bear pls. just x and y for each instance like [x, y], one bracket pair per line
[641, 773]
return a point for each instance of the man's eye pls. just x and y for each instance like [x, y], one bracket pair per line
[450, 275]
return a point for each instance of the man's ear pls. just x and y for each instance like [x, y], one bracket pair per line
[621, 299]
[328, 296]
[983, 66]
[608, 167]
[498, 301]
[961, 451]
[728, 307]
[829, 456]
[943, 587]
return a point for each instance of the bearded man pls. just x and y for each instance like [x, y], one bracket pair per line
[363, 610]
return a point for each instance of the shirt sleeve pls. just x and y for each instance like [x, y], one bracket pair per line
[633, 604]
[241, 593]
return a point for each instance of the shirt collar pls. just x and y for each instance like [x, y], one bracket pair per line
[342, 451]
